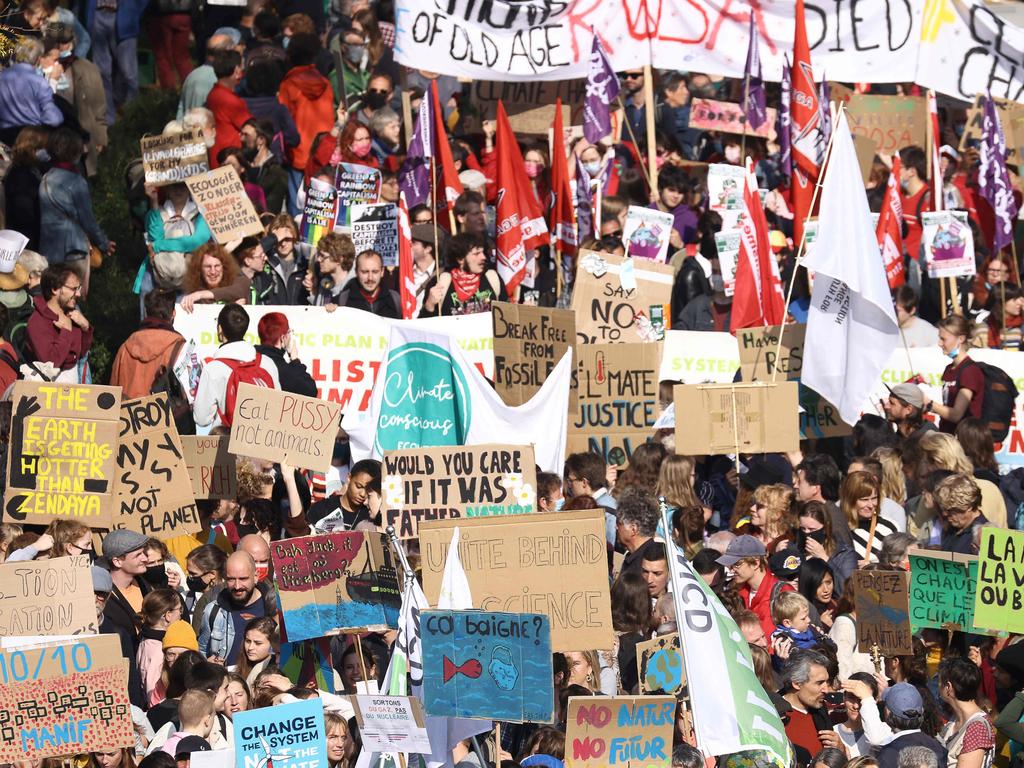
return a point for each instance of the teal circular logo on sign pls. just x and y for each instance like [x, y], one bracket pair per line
[425, 401]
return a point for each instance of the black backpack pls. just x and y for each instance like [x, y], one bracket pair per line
[165, 382]
[999, 400]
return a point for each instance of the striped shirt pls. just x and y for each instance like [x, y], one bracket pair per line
[860, 538]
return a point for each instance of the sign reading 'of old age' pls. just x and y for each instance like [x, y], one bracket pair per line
[62, 462]
[154, 493]
[550, 563]
[464, 481]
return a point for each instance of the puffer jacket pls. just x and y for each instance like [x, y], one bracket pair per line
[142, 356]
[309, 97]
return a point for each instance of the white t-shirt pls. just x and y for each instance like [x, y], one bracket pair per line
[920, 333]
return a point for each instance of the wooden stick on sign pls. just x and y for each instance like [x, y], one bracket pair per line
[649, 107]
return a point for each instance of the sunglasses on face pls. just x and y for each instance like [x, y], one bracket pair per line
[631, 75]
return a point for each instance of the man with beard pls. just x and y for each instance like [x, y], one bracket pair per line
[243, 598]
[58, 332]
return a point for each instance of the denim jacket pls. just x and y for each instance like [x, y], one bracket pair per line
[65, 215]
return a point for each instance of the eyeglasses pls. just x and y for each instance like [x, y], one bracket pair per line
[73, 288]
[631, 75]
[323, 256]
[286, 240]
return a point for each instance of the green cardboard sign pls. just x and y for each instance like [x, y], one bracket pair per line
[999, 596]
[942, 587]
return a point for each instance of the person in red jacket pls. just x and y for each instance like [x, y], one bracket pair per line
[58, 332]
[309, 97]
[229, 110]
[748, 559]
[149, 350]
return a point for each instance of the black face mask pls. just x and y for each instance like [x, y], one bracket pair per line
[375, 100]
[801, 538]
[156, 575]
[195, 584]
[249, 153]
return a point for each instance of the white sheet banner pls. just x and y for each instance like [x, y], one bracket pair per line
[699, 357]
[344, 349]
[869, 40]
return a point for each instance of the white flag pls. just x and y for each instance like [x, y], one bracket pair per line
[731, 710]
[851, 326]
[428, 395]
[455, 594]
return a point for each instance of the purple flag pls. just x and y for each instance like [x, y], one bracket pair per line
[584, 208]
[784, 122]
[602, 89]
[755, 106]
[414, 176]
[824, 92]
[993, 178]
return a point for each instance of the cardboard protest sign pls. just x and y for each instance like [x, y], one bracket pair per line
[392, 724]
[551, 563]
[224, 204]
[283, 427]
[727, 244]
[1000, 590]
[883, 614]
[659, 665]
[699, 357]
[286, 736]
[891, 122]
[528, 343]
[631, 731]
[319, 212]
[758, 349]
[948, 244]
[736, 418]
[66, 698]
[942, 587]
[646, 233]
[375, 228]
[493, 666]
[154, 489]
[1011, 118]
[307, 662]
[530, 105]
[726, 117]
[335, 581]
[725, 194]
[462, 481]
[354, 184]
[172, 158]
[607, 310]
[617, 397]
[61, 463]
[211, 466]
[47, 597]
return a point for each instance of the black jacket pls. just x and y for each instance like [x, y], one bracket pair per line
[292, 374]
[388, 303]
[696, 316]
[690, 283]
[129, 648]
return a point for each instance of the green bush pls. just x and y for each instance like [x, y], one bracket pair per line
[112, 307]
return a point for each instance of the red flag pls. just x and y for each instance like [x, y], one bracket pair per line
[449, 182]
[520, 220]
[757, 298]
[563, 216]
[807, 139]
[890, 229]
[406, 283]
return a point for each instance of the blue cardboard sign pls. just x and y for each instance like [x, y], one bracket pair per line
[285, 736]
[494, 666]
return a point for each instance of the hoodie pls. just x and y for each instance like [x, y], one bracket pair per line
[141, 357]
[49, 344]
[309, 97]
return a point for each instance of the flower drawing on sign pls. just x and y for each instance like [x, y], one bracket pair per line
[512, 481]
[594, 264]
[394, 491]
[525, 495]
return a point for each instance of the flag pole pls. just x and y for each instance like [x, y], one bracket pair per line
[632, 136]
[433, 202]
[652, 150]
[803, 239]
[746, 96]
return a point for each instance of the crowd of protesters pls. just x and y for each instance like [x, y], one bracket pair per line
[285, 92]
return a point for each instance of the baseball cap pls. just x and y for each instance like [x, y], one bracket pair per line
[785, 563]
[947, 150]
[120, 543]
[741, 547]
[909, 393]
[101, 581]
[765, 470]
[473, 179]
[904, 701]
[191, 744]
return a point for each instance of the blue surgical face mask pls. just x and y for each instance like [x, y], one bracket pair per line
[285, 41]
[559, 503]
[953, 353]
[64, 55]
[593, 168]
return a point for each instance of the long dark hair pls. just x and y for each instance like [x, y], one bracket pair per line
[812, 573]
[631, 604]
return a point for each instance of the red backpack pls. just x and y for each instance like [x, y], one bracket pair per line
[250, 372]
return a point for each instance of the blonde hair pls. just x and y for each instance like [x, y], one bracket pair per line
[958, 492]
[8, 533]
[778, 502]
[65, 532]
[788, 605]
[193, 706]
[675, 482]
[856, 486]
[594, 683]
[894, 482]
[942, 451]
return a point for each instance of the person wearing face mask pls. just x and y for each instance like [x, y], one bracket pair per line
[205, 568]
[915, 196]
[25, 97]
[378, 93]
[229, 111]
[354, 74]
[549, 492]
[264, 166]
[309, 97]
[814, 541]
[963, 383]
[347, 142]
